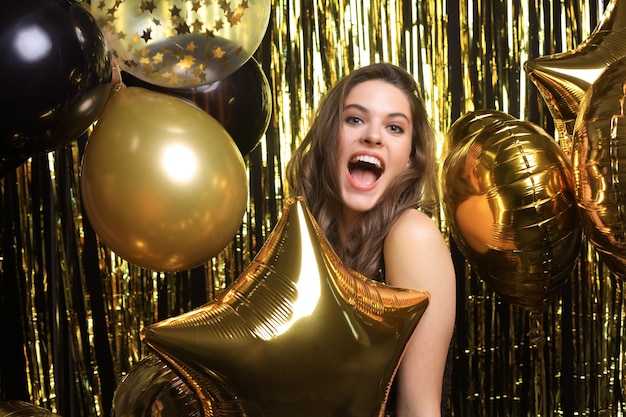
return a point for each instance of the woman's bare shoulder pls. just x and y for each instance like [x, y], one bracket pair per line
[415, 225]
[416, 251]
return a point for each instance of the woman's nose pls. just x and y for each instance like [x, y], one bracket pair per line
[373, 136]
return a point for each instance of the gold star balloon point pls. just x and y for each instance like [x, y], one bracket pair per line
[562, 79]
[296, 334]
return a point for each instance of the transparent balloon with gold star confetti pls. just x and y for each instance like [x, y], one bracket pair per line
[182, 44]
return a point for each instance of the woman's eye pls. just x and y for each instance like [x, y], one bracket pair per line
[396, 129]
[353, 120]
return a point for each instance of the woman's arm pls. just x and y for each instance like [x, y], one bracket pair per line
[417, 256]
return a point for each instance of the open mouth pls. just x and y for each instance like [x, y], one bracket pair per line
[365, 169]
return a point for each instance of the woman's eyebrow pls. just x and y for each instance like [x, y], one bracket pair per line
[365, 110]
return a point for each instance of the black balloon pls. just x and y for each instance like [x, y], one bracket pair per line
[9, 161]
[55, 75]
[241, 102]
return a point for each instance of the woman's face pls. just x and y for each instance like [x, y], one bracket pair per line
[374, 143]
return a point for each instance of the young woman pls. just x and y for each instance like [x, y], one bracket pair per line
[366, 170]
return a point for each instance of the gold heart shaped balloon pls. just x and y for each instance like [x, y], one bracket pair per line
[296, 334]
[598, 157]
[509, 197]
[563, 78]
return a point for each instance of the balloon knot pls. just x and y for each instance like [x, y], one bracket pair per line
[536, 334]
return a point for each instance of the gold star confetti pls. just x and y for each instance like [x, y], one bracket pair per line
[174, 79]
[182, 28]
[175, 11]
[197, 26]
[237, 16]
[225, 5]
[147, 35]
[149, 6]
[178, 53]
[187, 61]
[191, 46]
[218, 52]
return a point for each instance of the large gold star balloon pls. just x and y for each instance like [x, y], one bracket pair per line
[296, 334]
[563, 78]
[599, 152]
[509, 197]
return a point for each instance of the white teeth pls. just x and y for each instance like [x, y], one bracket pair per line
[369, 159]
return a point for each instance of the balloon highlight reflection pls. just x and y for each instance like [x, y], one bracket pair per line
[295, 334]
[509, 196]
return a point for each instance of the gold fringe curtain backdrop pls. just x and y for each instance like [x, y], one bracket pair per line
[71, 310]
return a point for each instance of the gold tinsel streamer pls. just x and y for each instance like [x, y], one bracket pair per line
[467, 55]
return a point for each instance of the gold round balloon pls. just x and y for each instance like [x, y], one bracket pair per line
[182, 43]
[562, 79]
[297, 334]
[599, 152]
[509, 197]
[162, 183]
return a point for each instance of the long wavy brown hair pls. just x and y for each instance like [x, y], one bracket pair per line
[311, 172]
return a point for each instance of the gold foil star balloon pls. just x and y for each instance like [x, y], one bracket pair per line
[182, 43]
[296, 334]
[599, 149]
[162, 182]
[509, 196]
[563, 78]
[23, 409]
